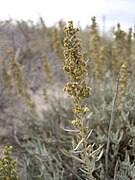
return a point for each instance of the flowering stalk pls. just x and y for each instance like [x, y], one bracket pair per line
[47, 68]
[57, 45]
[123, 79]
[76, 68]
[6, 78]
[94, 43]
[20, 83]
[119, 51]
[8, 166]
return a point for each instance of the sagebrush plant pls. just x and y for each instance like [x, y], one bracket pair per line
[129, 43]
[57, 45]
[104, 59]
[123, 80]
[119, 49]
[21, 84]
[8, 165]
[41, 143]
[44, 28]
[16, 73]
[6, 78]
[13, 79]
[47, 68]
[76, 68]
[94, 45]
[99, 52]
[45, 95]
[61, 33]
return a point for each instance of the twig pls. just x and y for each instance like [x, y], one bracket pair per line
[73, 172]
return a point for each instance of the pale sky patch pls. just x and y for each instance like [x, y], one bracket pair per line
[52, 11]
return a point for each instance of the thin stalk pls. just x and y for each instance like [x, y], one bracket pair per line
[110, 127]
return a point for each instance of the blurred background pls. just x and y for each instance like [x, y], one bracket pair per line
[108, 12]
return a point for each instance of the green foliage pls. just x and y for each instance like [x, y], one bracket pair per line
[47, 145]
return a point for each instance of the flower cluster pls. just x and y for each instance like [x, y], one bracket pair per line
[21, 84]
[119, 51]
[47, 68]
[75, 66]
[13, 78]
[16, 72]
[8, 165]
[123, 79]
[57, 45]
[94, 43]
[6, 78]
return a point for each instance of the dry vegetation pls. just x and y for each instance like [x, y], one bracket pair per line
[84, 133]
